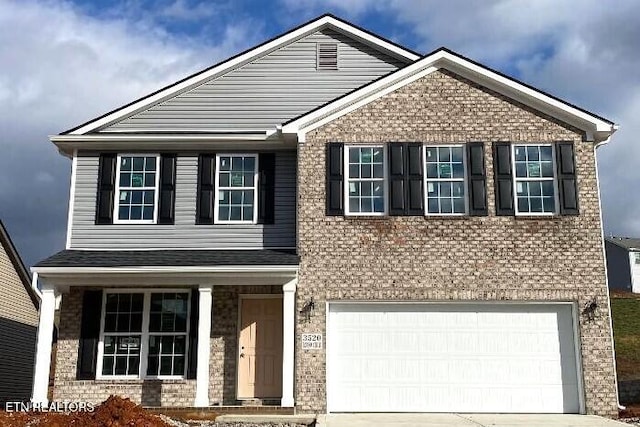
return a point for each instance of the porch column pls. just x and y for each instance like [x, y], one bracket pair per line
[288, 342]
[43, 347]
[204, 336]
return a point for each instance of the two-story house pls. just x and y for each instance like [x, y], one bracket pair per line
[332, 222]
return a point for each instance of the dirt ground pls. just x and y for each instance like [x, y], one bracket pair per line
[113, 412]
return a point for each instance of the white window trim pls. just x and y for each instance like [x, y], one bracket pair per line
[216, 197]
[556, 196]
[144, 334]
[385, 179]
[464, 180]
[116, 204]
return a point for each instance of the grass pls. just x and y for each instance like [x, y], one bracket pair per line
[625, 310]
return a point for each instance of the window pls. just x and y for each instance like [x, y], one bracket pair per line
[365, 183]
[327, 56]
[144, 334]
[237, 181]
[534, 179]
[136, 189]
[445, 180]
[637, 257]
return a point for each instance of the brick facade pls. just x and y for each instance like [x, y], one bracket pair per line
[464, 258]
[222, 364]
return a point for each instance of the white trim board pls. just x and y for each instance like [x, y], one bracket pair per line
[325, 21]
[596, 127]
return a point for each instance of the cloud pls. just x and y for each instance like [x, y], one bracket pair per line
[60, 66]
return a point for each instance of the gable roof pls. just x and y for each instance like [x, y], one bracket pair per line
[628, 243]
[17, 263]
[597, 127]
[320, 23]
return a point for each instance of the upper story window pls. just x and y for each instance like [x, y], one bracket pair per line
[445, 180]
[136, 189]
[534, 179]
[365, 183]
[237, 184]
[327, 56]
[144, 334]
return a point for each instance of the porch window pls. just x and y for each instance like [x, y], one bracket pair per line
[144, 334]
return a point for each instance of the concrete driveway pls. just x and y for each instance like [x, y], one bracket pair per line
[464, 420]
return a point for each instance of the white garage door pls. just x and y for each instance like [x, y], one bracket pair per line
[451, 358]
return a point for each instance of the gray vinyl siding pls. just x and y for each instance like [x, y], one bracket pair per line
[184, 234]
[17, 354]
[618, 267]
[268, 91]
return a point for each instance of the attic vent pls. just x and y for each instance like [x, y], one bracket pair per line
[327, 56]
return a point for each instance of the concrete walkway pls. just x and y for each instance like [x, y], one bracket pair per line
[464, 420]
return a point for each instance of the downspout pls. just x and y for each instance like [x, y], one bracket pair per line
[606, 273]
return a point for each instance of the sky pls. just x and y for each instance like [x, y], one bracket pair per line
[63, 62]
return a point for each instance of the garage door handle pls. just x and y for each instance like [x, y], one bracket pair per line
[241, 354]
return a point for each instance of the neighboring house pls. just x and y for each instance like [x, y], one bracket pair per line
[18, 324]
[623, 263]
[332, 222]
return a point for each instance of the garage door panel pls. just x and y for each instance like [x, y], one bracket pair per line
[451, 357]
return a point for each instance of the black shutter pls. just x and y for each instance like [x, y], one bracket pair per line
[477, 179]
[405, 179]
[503, 178]
[106, 188]
[89, 335]
[206, 190]
[335, 177]
[167, 196]
[414, 180]
[567, 183]
[266, 187]
[192, 363]
[397, 205]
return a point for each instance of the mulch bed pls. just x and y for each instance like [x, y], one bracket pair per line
[113, 412]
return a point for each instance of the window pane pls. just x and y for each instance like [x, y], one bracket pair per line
[125, 164]
[224, 180]
[225, 163]
[178, 365]
[236, 163]
[354, 204]
[432, 190]
[150, 164]
[249, 164]
[523, 204]
[152, 365]
[136, 212]
[545, 153]
[547, 188]
[137, 180]
[535, 188]
[458, 205]
[536, 204]
[236, 213]
[354, 171]
[248, 179]
[432, 155]
[457, 189]
[444, 170]
[446, 206]
[378, 204]
[149, 197]
[547, 169]
[378, 171]
[367, 188]
[149, 179]
[138, 163]
[354, 155]
[165, 365]
[367, 205]
[549, 204]
[533, 153]
[107, 365]
[366, 171]
[136, 197]
[123, 212]
[456, 154]
[458, 170]
[111, 302]
[522, 188]
[125, 179]
[432, 170]
[223, 213]
[521, 169]
[247, 214]
[444, 154]
[433, 206]
[445, 189]
[534, 170]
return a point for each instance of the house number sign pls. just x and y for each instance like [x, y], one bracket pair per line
[311, 341]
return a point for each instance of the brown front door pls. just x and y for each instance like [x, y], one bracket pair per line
[260, 348]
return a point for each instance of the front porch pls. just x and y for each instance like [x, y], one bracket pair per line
[239, 337]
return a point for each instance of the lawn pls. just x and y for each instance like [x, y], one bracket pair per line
[625, 309]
